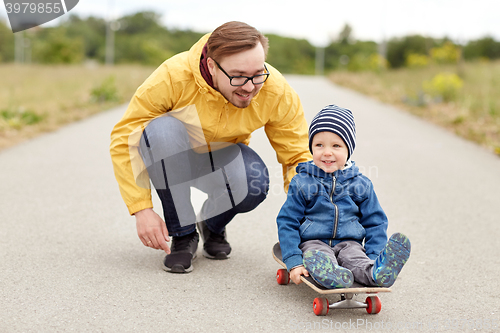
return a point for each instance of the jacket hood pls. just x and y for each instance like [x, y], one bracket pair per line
[350, 171]
[194, 62]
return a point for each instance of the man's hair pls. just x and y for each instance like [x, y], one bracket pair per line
[234, 37]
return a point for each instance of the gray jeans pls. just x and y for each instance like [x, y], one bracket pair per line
[348, 254]
[235, 178]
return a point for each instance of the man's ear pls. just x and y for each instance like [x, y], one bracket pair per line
[211, 65]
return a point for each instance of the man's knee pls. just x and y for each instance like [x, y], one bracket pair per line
[256, 172]
[164, 148]
[163, 137]
[257, 178]
[258, 186]
[246, 174]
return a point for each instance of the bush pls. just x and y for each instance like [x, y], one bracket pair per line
[338, 55]
[446, 54]
[290, 55]
[57, 48]
[414, 60]
[6, 43]
[377, 63]
[482, 48]
[105, 92]
[357, 63]
[18, 117]
[361, 62]
[140, 49]
[444, 85]
[399, 49]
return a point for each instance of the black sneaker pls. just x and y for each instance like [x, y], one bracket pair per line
[215, 246]
[182, 253]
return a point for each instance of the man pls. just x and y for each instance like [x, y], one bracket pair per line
[189, 124]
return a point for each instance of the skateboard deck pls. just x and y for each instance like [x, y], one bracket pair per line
[321, 306]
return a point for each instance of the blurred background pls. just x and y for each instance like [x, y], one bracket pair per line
[437, 59]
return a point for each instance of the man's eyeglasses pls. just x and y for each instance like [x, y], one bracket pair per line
[238, 81]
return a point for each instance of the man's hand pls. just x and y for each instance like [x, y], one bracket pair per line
[152, 230]
[296, 272]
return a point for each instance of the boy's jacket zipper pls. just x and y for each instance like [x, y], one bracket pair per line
[334, 181]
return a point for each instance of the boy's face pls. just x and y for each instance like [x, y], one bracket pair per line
[329, 151]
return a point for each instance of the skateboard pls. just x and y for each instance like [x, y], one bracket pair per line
[321, 305]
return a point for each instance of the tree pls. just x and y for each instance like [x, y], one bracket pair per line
[291, 55]
[398, 49]
[482, 48]
[57, 48]
[345, 36]
[142, 22]
[356, 51]
[92, 32]
[141, 38]
[6, 43]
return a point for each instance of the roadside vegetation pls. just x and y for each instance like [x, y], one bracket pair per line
[467, 104]
[454, 87]
[41, 98]
[56, 75]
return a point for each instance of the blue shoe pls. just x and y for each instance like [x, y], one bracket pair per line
[325, 272]
[391, 260]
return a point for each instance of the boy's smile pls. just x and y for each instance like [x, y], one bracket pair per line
[329, 151]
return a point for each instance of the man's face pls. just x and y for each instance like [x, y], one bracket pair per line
[246, 63]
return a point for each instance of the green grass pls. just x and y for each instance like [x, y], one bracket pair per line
[19, 118]
[473, 113]
[35, 99]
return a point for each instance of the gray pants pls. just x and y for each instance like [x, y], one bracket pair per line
[235, 178]
[348, 254]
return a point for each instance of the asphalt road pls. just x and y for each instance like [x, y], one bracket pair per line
[70, 259]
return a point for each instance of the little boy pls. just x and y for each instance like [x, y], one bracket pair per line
[331, 208]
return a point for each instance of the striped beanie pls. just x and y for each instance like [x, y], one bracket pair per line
[336, 120]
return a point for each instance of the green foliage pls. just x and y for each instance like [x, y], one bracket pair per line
[345, 36]
[377, 63]
[446, 54]
[141, 23]
[153, 53]
[139, 49]
[6, 43]
[345, 55]
[105, 92]
[357, 63]
[18, 117]
[141, 38]
[290, 55]
[91, 31]
[418, 53]
[57, 48]
[361, 62]
[444, 85]
[482, 48]
[414, 60]
[398, 49]
[176, 41]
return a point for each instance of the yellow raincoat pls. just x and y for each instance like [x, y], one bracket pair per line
[177, 87]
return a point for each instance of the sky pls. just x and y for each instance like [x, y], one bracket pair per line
[319, 21]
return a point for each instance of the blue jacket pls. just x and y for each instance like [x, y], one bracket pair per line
[332, 208]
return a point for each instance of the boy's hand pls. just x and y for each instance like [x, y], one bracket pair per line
[296, 272]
